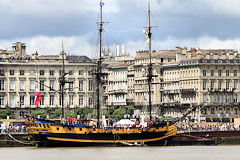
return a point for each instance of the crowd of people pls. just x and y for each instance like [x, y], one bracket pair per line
[184, 127]
[208, 127]
[13, 128]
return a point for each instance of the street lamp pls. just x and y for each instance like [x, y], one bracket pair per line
[20, 103]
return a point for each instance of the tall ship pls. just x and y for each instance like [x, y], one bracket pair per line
[81, 133]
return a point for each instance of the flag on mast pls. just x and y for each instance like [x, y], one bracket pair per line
[101, 3]
[37, 97]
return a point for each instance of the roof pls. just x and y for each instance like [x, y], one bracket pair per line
[78, 59]
[171, 53]
[161, 53]
[123, 65]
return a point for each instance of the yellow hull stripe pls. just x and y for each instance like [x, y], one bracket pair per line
[111, 141]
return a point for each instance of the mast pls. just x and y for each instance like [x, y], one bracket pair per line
[150, 75]
[99, 66]
[62, 82]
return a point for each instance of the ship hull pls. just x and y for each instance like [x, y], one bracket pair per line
[75, 140]
[54, 133]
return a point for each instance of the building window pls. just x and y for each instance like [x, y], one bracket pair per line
[90, 87]
[31, 72]
[51, 99]
[220, 99]
[204, 98]
[169, 59]
[12, 101]
[1, 100]
[51, 85]
[227, 99]
[235, 72]
[21, 72]
[1, 84]
[235, 84]
[42, 100]
[51, 72]
[235, 98]
[212, 72]
[219, 73]
[70, 72]
[1, 72]
[21, 102]
[71, 86]
[41, 72]
[81, 72]
[235, 111]
[22, 85]
[227, 73]
[11, 72]
[212, 99]
[12, 85]
[227, 85]
[204, 111]
[90, 73]
[42, 85]
[31, 99]
[204, 85]
[81, 100]
[228, 111]
[70, 100]
[81, 85]
[220, 111]
[219, 84]
[212, 111]
[90, 101]
[32, 85]
[212, 84]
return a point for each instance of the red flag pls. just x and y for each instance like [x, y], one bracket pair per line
[37, 97]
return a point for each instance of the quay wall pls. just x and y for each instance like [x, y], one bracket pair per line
[7, 141]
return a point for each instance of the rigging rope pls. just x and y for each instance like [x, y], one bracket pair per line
[30, 143]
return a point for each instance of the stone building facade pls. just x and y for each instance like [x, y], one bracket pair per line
[205, 78]
[21, 73]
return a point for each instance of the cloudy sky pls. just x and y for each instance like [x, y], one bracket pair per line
[44, 24]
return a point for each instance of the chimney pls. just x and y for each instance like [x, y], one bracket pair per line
[231, 55]
[223, 56]
[207, 56]
[215, 56]
[19, 48]
[123, 50]
[185, 51]
[118, 51]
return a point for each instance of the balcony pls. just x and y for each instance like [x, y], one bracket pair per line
[175, 91]
[221, 89]
[120, 91]
[190, 90]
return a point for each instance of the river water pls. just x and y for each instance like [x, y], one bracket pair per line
[123, 153]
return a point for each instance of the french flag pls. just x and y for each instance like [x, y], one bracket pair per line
[101, 3]
[37, 97]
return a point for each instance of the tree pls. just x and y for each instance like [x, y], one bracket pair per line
[83, 112]
[41, 112]
[6, 112]
[118, 113]
[71, 113]
[54, 113]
